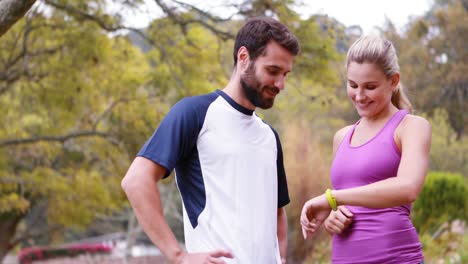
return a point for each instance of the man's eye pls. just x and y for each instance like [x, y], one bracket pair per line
[273, 72]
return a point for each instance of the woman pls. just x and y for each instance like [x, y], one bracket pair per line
[379, 167]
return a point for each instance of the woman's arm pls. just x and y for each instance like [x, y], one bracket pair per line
[415, 140]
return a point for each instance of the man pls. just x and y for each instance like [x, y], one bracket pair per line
[228, 162]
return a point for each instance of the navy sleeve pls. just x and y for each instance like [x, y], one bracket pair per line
[175, 137]
[283, 194]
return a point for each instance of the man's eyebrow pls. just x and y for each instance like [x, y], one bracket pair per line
[274, 66]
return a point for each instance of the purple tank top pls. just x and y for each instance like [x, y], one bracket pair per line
[376, 235]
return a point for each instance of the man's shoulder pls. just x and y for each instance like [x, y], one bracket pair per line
[267, 124]
[197, 99]
[196, 103]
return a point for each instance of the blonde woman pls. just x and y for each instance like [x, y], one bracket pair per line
[379, 166]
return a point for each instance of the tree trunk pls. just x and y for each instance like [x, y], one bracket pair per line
[8, 224]
[11, 11]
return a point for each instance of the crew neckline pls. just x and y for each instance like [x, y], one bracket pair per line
[234, 104]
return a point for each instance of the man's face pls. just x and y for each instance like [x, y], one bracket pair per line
[264, 78]
[254, 90]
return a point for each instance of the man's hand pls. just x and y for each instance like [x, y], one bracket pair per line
[213, 257]
[338, 220]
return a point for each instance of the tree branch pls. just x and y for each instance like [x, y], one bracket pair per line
[107, 111]
[62, 139]
[11, 11]
[111, 28]
[205, 17]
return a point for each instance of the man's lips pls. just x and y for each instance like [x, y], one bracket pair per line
[273, 91]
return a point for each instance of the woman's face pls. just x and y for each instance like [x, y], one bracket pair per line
[369, 89]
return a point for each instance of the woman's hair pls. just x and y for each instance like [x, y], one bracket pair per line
[381, 52]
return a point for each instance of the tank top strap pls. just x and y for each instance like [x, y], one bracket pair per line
[395, 121]
[347, 138]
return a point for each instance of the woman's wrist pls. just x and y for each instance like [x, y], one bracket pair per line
[331, 198]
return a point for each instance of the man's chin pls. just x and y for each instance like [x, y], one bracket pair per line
[266, 104]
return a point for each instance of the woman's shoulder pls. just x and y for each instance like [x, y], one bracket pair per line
[339, 136]
[413, 125]
[411, 122]
[341, 133]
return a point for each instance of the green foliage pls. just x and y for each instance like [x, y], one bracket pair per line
[186, 63]
[433, 59]
[463, 250]
[444, 198]
[71, 77]
[447, 152]
[448, 248]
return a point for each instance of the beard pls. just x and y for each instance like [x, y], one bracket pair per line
[253, 90]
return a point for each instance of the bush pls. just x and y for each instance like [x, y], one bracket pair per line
[448, 152]
[443, 199]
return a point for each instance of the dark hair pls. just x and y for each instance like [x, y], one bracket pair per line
[258, 32]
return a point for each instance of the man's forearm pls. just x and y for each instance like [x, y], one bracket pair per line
[140, 186]
[282, 233]
[151, 218]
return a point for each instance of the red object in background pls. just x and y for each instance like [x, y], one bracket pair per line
[27, 255]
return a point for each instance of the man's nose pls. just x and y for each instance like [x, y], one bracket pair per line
[279, 82]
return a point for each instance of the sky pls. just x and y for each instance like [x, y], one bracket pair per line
[366, 13]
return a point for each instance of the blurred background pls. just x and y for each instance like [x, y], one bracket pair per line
[84, 83]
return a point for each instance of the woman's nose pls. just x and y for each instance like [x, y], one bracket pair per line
[360, 94]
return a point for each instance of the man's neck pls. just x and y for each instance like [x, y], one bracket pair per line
[234, 90]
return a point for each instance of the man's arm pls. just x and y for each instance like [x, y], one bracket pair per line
[140, 185]
[282, 233]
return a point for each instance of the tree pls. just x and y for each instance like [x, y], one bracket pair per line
[433, 58]
[11, 11]
[62, 79]
[80, 103]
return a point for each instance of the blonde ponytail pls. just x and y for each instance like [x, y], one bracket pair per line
[400, 99]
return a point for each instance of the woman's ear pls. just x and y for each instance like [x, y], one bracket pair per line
[395, 81]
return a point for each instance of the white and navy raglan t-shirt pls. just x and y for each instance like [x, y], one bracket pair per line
[230, 174]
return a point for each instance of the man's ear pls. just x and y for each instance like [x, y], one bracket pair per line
[243, 58]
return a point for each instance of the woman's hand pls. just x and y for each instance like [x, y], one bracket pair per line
[338, 220]
[314, 212]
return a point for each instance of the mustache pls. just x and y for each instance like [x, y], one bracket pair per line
[274, 89]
